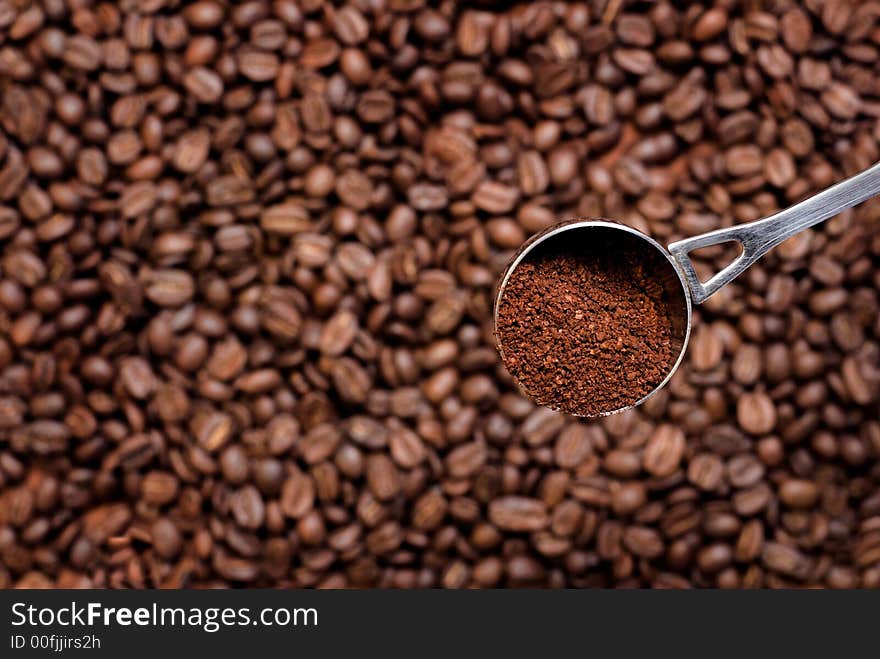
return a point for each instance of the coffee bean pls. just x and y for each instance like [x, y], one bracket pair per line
[212, 429]
[350, 26]
[286, 219]
[258, 66]
[635, 30]
[204, 14]
[466, 460]
[683, 101]
[429, 511]
[407, 448]
[204, 84]
[627, 499]
[842, 101]
[862, 388]
[228, 191]
[166, 538]
[572, 447]
[796, 30]
[710, 24]
[159, 488]
[785, 560]
[622, 463]
[137, 377]
[706, 349]
[533, 174]
[426, 197]
[247, 507]
[24, 267]
[495, 198]
[170, 288]
[319, 53]
[280, 317]
[138, 198]
[375, 107]
[643, 542]
[705, 471]
[779, 168]
[743, 160]
[297, 495]
[751, 501]
[756, 413]
[747, 364]
[515, 513]
[383, 477]
[191, 150]
[82, 52]
[775, 61]
[744, 471]
[227, 359]
[338, 334]
[798, 493]
[664, 450]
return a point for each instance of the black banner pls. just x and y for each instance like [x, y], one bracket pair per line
[407, 624]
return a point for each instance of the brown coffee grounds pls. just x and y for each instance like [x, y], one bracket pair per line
[583, 326]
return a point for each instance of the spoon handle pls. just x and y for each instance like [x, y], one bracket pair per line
[758, 237]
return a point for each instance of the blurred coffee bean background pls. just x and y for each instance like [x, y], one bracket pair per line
[249, 253]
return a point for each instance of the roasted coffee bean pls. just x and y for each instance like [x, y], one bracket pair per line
[247, 507]
[643, 542]
[297, 495]
[191, 150]
[204, 84]
[705, 471]
[137, 377]
[756, 413]
[166, 538]
[383, 477]
[798, 493]
[628, 498]
[664, 450]
[159, 487]
[706, 349]
[515, 513]
[785, 560]
[338, 333]
[744, 470]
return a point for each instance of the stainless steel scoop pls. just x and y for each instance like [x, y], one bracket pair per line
[680, 282]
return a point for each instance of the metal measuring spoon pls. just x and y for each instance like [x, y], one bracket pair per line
[681, 285]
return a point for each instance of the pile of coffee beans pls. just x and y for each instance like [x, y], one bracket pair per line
[247, 259]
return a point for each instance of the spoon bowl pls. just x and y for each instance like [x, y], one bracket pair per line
[618, 238]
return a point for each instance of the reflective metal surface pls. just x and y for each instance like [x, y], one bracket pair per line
[759, 237]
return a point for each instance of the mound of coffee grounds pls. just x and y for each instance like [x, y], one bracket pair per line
[584, 326]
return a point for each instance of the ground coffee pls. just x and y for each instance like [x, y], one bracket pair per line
[583, 327]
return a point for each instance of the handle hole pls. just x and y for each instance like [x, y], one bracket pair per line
[711, 260]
